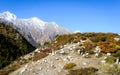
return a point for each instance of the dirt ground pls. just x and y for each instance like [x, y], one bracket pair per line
[54, 62]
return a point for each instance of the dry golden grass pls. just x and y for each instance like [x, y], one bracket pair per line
[84, 71]
[39, 56]
[69, 65]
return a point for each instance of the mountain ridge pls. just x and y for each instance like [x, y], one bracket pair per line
[33, 29]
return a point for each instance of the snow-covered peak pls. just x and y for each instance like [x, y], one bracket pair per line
[33, 29]
[37, 20]
[8, 16]
[34, 21]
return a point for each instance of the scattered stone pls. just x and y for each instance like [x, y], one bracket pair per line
[45, 60]
[82, 41]
[26, 66]
[86, 55]
[108, 54]
[117, 61]
[79, 52]
[38, 61]
[36, 50]
[69, 58]
[97, 49]
[65, 59]
[62, 52]
[61, 46]
[105, 58]
[57, 58]
[96, 54]
[65, 45]
[22, 71]
[52, 66]
[70, 49]
[117, 39]
[83, 55]
[41, 68]
[84, 63]
[103, 61]
[52, 54]
[78, 43]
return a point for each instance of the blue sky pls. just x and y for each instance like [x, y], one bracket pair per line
[83, 15]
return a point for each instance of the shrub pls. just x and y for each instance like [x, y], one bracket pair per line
[83, 38]
[69, 65]
[110, 69]
[76, 40]
[88, 46]
[83, 71]
[117, 47]
[39, 56]
[106, 47]
[117, 54]
[38, 45]
[110, 59]
[46, 43]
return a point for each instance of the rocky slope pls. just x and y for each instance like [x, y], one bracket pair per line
[33, 29]
[54, 63]
[75, 54]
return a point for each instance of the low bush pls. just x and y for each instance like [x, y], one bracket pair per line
[39, 56]
[110, 59]
[110, 69]
[69, 65]
[117, 54]
[84, 71]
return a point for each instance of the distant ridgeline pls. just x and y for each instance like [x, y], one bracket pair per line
[12, 45]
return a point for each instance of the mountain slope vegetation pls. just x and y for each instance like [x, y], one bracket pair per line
[76, 54]
[64, 48]
[12, 45]
[108, 42]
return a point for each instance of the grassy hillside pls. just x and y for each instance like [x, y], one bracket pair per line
[108, 42]
[12, 45]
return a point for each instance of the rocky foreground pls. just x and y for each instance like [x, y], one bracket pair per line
[53, 64]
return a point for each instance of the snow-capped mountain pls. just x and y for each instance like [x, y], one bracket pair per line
[33, 29]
